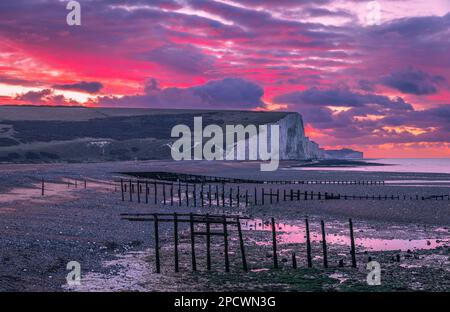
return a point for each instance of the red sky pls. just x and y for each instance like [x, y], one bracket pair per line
[380, 85]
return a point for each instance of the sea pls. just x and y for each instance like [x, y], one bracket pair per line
[418, 165]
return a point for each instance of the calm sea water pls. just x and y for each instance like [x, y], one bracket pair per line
[420, 165]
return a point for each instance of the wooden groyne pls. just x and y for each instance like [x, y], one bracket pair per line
[229, 224]
[232, 195]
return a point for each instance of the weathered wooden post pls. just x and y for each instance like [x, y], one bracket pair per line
[217, 195]
[155, 219]
[171, 195]
[156, 192]
[223, 194]
[231, 197]
[246, 198]
[262, 196]
[208, 243]
[175, 235]
[238, 196]
[256, 197]
[164, 193]
[139, 191]
[308, 245]
[225, 243]
[195, 195]
[130, 191]
[241, 243]
[121, 188]
[352, 243]
[146, 192]
[324, 245]
[187, 195]
[42, 187]
[85, 184]
[271, 196]
[191, 223]
[274, 244]
[179, 194]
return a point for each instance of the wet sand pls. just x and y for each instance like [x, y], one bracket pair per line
[39, 236]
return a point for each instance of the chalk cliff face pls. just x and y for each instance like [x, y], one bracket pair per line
[77, 134]
[294, 145]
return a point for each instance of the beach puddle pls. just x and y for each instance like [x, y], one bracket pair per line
[296, 234]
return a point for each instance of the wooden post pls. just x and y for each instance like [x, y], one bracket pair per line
[130, 191]
[146, 192]
[225, 241]
[308, 245]
[246, 198]
[156, 192]
[208, 243]
[256, 197]
[42, 187]
[262, 196]
[187, 195]
[223, 194]
[294, 261]
[241, 243]
[209, 195]
[217, 195]
[179, 194]
[274, 244]
[139, 191]
[201, 196]
[231, 196]
[238, 196]
[191, 223]
[175, 235]
[164, 193]
[121, 188]
[195, 195]
[155, 218]
[85, 184]
[352, 242]
[324, 245]
[171, 195]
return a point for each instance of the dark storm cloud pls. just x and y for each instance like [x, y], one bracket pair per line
[413, 82]
[218, 94]
[83, 86]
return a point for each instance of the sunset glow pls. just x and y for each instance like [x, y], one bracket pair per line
[382, 88]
